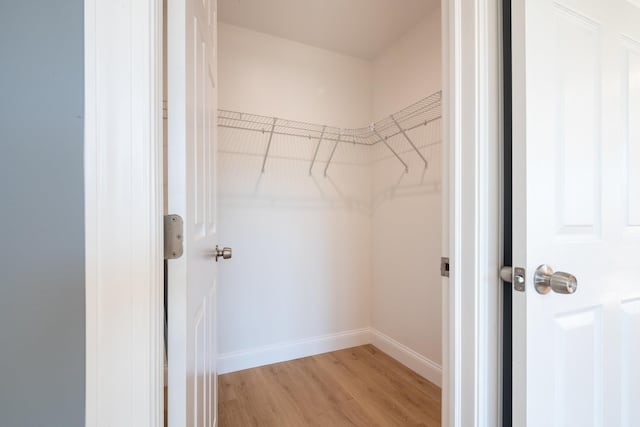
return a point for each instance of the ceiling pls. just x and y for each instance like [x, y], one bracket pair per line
[361, 28]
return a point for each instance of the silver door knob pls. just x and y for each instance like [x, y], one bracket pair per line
[546, 280]
[224, 253]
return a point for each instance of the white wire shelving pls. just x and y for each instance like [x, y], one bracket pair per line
[419, 114]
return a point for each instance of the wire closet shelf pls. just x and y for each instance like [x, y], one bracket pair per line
[421, 113]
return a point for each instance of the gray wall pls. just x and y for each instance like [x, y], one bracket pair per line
[41, 213]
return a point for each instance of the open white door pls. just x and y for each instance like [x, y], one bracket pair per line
[192, 140]
[577, 210]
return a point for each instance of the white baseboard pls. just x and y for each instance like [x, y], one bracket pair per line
[282, 352]
[411, 359]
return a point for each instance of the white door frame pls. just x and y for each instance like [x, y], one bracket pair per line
[473, 127]
[123, 212]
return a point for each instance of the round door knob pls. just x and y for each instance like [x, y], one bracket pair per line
[224, 253]
[546, 280]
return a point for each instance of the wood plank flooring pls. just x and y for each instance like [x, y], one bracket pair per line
[360, 386]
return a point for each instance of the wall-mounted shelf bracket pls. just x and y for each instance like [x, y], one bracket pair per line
[331, 156]
[384, 140]
[266, 153]
[404, 133]
[315, 153]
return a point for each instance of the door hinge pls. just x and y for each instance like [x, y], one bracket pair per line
[444, 267]
[517, 276]
[173, 235]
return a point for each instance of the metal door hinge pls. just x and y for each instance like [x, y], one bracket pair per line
[444, 267]
[173, 234]
[514, 275]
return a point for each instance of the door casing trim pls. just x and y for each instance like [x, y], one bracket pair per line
[123, 213]
[472, 89]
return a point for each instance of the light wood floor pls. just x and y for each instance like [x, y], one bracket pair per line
[359, 386]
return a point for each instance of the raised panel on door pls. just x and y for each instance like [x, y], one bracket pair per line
[629, 357]
[200, 365]
[577, 346]
[631, 82]
[577, 128]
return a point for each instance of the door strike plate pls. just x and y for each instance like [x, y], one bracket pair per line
[444, 267]
[173, 234]
[517, 276]
[519, 279]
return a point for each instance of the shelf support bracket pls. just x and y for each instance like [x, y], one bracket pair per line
[384, 140]
[315, 154]
[404, 133]
[266, 153]
[331, 156]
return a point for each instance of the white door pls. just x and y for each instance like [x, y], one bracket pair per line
[192, 140]
[577, 209]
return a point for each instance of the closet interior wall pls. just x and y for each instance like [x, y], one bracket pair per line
[406, 217]
[322, 263]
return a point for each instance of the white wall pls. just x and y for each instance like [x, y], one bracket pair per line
[406, 221]
[316, 256]
[409, 69]
[271, 76]
[301, 266]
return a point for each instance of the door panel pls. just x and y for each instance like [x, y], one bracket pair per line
[629, 367]
[632, 94]
[577, 125]
[576, 398]
[576, 164]
[192, 109]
